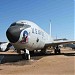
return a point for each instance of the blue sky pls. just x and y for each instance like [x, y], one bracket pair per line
[61, 13]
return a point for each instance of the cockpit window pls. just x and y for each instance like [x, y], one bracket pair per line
[19, 24]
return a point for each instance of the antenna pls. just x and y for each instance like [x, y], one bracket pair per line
[56, 36]
[50, 28]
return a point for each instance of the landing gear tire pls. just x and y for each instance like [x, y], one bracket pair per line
[57, 50]
[26, 55]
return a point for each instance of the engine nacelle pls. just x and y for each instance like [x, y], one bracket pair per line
[5, 47]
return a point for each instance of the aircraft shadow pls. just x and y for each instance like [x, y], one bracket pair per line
[10, 58]
[51, 54]
[68, 54]
[5, 58]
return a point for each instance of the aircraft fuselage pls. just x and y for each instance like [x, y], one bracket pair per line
[25, 34]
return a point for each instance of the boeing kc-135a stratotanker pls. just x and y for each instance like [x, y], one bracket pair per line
[28, 36]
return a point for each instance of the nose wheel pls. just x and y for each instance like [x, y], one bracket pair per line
[26, 55]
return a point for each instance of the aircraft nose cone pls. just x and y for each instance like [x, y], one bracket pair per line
[13, 34]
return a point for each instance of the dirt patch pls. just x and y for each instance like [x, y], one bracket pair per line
[63, 64]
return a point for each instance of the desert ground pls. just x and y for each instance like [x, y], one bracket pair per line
[48, 64]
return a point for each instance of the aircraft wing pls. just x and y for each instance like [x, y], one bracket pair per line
[61, 42]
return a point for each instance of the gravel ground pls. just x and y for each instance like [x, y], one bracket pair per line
[49, 64]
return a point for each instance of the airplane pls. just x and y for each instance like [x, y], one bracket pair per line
[27, 36]
[4, 46]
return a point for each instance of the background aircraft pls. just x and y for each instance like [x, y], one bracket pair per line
[4, 46]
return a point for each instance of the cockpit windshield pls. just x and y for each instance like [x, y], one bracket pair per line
[19, 24]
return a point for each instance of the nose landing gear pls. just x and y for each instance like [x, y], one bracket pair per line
[26, 55]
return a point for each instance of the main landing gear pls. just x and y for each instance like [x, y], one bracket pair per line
[26, 54]
[57, 50]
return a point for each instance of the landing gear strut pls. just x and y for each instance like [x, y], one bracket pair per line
[26, 55]
[57, 50]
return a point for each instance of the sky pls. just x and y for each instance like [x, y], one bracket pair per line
[60, 12]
